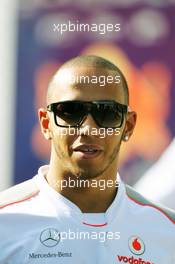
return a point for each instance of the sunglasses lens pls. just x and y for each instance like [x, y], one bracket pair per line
[69, 113]
[108, 115]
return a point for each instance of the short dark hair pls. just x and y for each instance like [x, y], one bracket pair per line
[95, 61]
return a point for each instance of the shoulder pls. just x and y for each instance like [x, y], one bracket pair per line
[18, 193]
[142, 201]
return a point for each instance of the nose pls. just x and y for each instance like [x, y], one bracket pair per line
[87, 125]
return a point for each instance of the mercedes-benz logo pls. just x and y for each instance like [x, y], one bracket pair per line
[50, 237]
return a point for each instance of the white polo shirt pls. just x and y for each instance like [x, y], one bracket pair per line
[39, 225]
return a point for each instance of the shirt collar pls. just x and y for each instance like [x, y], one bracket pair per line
[68, 208]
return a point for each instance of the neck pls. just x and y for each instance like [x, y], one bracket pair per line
[90, 195]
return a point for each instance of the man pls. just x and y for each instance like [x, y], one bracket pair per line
[77, 210]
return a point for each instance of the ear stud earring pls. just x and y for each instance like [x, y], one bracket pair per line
[126, 137]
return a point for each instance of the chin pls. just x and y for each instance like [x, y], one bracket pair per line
[83, 173]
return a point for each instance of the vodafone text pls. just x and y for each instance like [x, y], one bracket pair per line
[133, 260]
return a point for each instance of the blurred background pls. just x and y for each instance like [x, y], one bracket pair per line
[31, 51]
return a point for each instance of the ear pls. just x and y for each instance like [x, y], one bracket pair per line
[129, 125]
[44, 123]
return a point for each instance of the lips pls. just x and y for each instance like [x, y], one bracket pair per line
[88, 150]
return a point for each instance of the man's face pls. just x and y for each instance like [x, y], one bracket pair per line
[68, 150]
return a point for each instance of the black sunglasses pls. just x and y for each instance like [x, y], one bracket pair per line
[106, 113]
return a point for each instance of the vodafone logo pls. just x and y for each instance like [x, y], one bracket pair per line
[132, 260]
[136, 245]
